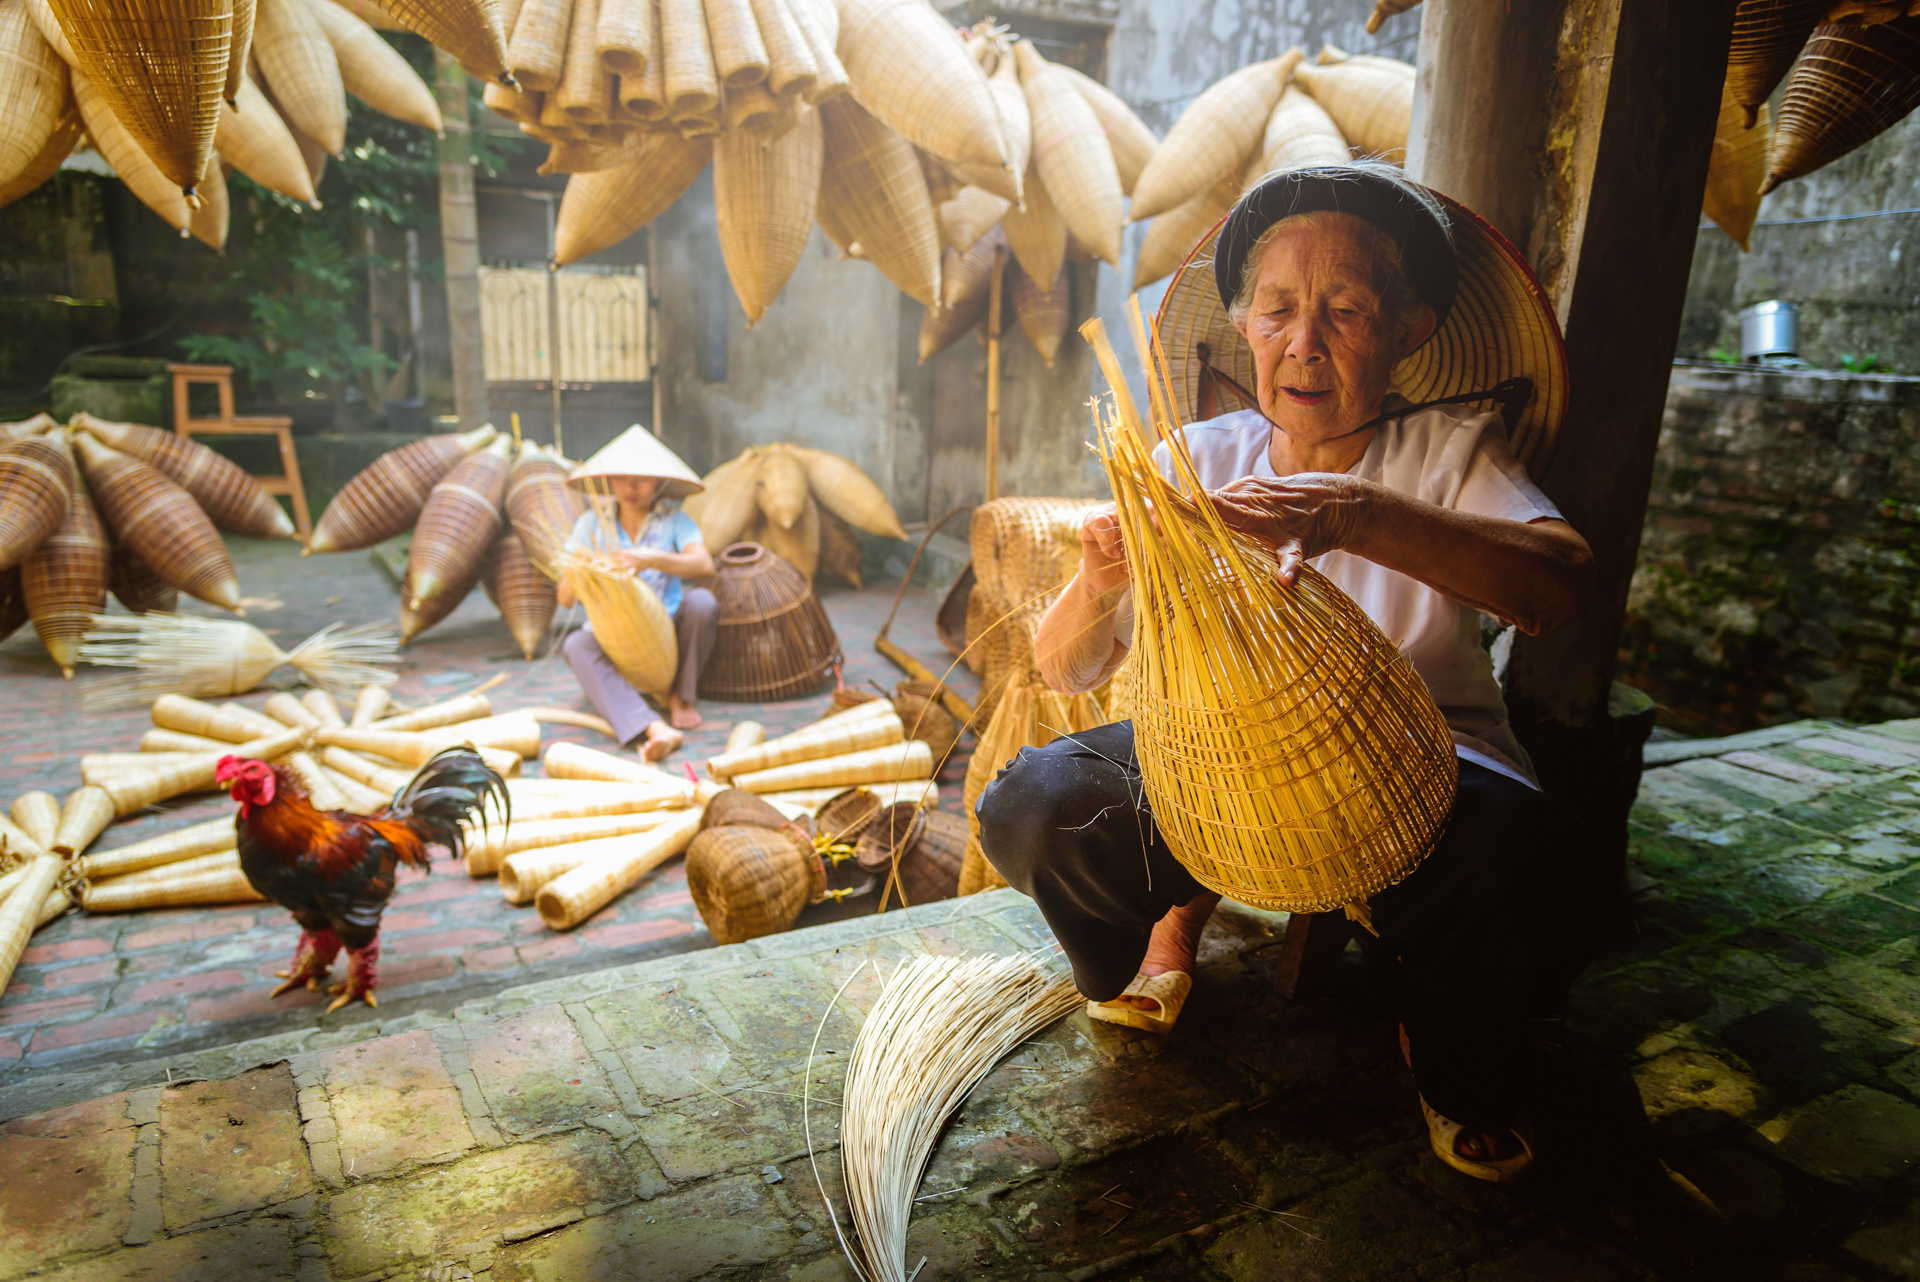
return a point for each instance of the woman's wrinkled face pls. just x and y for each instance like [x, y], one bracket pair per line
[1324, 345]
[635, 492]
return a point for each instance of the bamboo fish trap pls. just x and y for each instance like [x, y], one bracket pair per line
[939, 1026]
[373, 70]
[773, 638]
[895, 763]
[13, 603]
[1132, 143]
[233, 500]
[748, 882]
[66, 135]
[765, 194]
[1292, 757]
[1044, 314]
[798, 546]
[135, 585]
[256, 141]
[971, 214]
[1028, 714]
[33, 82]
[458, 525]
[780, 488]
[831, 738]
[725, 508]
[38, 815]
[578, 894]
[525, 597]
[36, 482]
[1767, 36]
[1037, 234]
[604, 208]
[848, 492]
[161, 522]
[1370, 99]
[1213, 137]
[65, 580]
[628, 620]
[470, 30]
[385, 498]
[1072, 156]
[1848, 87]
[541, 507]
[875, 188]
[183, 654]
[1172, 236]
[162, 65]
[1738, 167]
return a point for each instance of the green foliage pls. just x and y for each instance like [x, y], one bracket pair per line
[303, 271]
[1868, 364]
[1724, 356]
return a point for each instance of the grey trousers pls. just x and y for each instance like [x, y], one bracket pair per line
[695, 624]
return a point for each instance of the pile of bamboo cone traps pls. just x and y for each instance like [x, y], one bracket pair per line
[802, 504]
[175, 94]
[97, 508]
[1279, 114]
[484, 510]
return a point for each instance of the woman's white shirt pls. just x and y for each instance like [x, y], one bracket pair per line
[1450, 456]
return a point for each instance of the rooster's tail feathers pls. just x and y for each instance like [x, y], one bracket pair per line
[452, 788]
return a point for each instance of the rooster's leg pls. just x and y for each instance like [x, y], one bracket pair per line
[361, 980]
[311, 960]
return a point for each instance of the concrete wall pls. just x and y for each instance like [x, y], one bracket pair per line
[1854, 278]
[1777, 578]
[834, 362]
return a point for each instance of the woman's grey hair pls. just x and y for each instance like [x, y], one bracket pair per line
[1401, 304]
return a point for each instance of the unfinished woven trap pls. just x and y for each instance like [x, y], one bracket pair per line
[629, 621]
[1293, 758]
[774, 639]
[185, 654]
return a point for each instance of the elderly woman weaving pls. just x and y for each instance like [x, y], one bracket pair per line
[1329, 280]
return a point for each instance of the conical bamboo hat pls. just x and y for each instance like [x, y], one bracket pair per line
[1213, 137]
[162, 68]
[638, 452]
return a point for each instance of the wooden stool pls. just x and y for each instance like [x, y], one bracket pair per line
[288, 483]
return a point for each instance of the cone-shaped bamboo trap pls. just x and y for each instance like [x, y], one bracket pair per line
[525, 597]
[894, 763]
[774, 640]
[541, 507]
[65, 579]
[912, 74]
[13, 603]
[1849, 86]
[940, 1025]
[33, 84]
[457, 527]
[67, 133]
[161, 522]
[748, 882]
[574, 896]
[385, 497]
[184, 654]
[135, 585]
[470, 30]
[299, 63]
[38, 815]
[36, 482]
[162, 65]
[1370, 99]
[1738, 167]
[629, 621]
[831, 738]
[233, 500]
[1027, 714]
[1131, 142]
[1071, 153]
[1293, 758]
[1172, 236]
[373, 70]
[848, 492]
[1037, 235]
[874, 188]
[1767, 36]
[1212, 139]
[765, 193]
[1044, 314]
[725, 508]
[604, 208]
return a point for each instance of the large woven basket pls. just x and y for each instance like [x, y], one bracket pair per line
[457, 528]
[748, 881]
[66, 579]
[774, 639]
[874, 187]
[232, 499]
[1767, 36]
[915, 76]
[36, 479]
[1212, 138]
[298, 61]
[160, 522]
[1070, 150]
[254, 140]
[161, 67]
[385, 497]
[604, 208]
[1293, 758]
[1849, 86]
[765, 193]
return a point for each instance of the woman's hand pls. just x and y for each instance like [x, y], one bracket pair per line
[638, 558]
[1301, 516]
[1103, 550]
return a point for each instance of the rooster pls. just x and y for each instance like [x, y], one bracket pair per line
[333, 870]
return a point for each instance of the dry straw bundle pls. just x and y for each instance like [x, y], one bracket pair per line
[183, 654]
[1293, 758]
[940, 1025]
[773, 640]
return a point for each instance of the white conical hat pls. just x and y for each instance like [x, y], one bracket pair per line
[638, 452]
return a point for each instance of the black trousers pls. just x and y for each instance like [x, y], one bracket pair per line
[1487, 932]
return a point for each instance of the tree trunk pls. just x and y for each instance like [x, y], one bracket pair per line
[460, 244]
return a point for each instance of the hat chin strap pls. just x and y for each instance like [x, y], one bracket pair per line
[1511, 394]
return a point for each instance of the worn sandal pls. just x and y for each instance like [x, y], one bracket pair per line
[1442, 1133]
[1169, 990]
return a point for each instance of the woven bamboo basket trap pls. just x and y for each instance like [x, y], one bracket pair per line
[1292, 757]
[774, 639]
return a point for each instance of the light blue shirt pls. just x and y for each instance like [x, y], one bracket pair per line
[665, 531]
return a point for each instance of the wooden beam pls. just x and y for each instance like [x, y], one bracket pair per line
[1582, 128]
[460, 243]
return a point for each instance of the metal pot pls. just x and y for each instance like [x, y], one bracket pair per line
[1769, 331]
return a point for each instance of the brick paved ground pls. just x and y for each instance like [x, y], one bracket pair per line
[1755, 1035]
[96, 992]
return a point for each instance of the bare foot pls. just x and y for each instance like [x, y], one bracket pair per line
[661, 739]
[1174, 946]
[1475, 1146]
[683, 714]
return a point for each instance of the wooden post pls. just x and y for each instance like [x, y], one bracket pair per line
[1582, 129]
[993, 373]
[460, 243]
[553, 315]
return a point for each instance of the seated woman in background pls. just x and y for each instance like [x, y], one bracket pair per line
[651, 535]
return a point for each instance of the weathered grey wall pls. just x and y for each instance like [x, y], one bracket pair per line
[1854, 279]
[834, 362]
[1777, 578]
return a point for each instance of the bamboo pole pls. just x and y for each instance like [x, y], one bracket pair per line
[467, 707]
[370, 705]
[574, 896]
[20, 914]
[994, 294]
[485, 856]
[38, 815]
[167, 848]
[86, 814]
